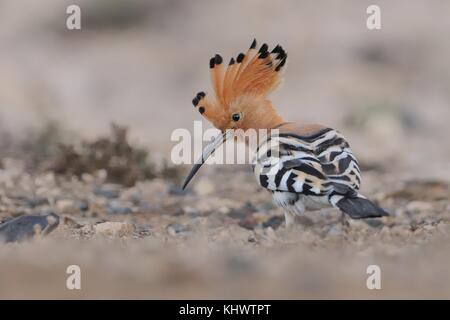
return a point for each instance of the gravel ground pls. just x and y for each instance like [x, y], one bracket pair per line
[219, 241]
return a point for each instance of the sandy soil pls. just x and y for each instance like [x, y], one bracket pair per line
[217, 242]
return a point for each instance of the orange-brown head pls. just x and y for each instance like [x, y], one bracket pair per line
[240, 99]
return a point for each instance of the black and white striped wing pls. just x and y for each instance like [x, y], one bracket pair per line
[316, 165]
[338, 162]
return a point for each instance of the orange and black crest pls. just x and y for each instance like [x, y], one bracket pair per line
[255, 73]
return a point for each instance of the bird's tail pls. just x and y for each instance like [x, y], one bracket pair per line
[359, 207]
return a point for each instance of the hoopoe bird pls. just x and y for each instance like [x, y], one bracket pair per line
[304, 166]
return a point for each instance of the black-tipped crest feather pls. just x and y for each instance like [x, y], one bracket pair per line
[218, 59]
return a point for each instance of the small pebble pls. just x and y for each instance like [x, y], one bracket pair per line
[143, 230]
[65, 206]
[274, 222]
[109, 191]
[419, 206]
[176, 228]
[114, 229]
[176, 190]
[204, 187]
[83, 205]
[37, 201]
[116, 207]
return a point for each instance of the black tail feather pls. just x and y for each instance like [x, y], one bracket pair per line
[360, 208]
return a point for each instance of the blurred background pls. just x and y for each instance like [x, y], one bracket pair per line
[139, 63]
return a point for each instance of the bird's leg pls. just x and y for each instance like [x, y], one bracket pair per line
[289, 219]
[291, 213]
[344, 221]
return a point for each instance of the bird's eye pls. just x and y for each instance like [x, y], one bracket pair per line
[236, 117]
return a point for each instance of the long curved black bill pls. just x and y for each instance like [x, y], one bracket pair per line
[209, 150]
